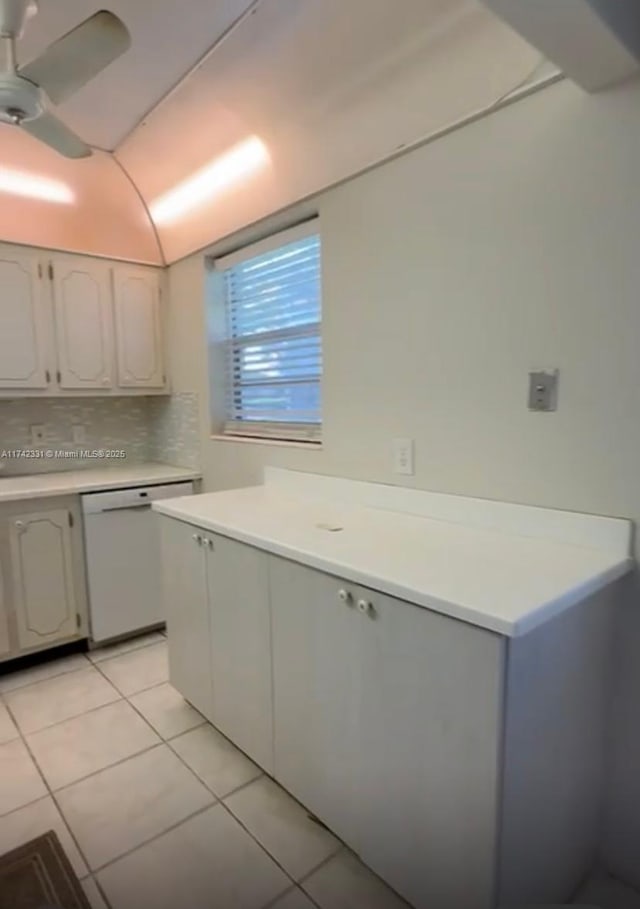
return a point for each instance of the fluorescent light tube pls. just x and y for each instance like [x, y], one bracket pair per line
[224, 171]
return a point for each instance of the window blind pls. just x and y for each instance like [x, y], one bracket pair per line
[274, 346]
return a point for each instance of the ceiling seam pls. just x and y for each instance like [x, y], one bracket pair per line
[143, 202]
[237, 22]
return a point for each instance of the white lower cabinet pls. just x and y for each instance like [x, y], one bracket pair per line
[463, 767]
[44, 589]
[187, 611]
[240, 630]
[429, 738]
[42, 579]
[315, 683]
[217, 608]
[387, 721]
[5, 641]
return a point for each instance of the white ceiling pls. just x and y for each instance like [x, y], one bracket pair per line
[168, 38]
[330, 86]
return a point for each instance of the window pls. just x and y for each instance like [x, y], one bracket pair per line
[273, 345]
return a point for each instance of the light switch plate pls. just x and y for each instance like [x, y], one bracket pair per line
[403, 457]
[543, 391]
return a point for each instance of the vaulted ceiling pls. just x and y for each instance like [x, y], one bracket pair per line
[328, 86]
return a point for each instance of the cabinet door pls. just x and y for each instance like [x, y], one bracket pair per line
[187, 610]
[43, 578]
[82, 295]
[241, 646]
[315, 676]
[23, 322]
[5, 643]
[429, 740]
[138, 328]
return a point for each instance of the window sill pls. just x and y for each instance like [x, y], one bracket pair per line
[258, 440]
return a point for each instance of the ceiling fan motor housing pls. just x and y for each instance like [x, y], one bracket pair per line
[14, 14]
[20, 100]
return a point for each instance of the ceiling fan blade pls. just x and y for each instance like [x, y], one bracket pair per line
[76, 58]
[54, 133]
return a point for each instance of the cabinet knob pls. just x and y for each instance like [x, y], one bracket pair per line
[198, 539]
[20, 525]
[366, 608]
[106, 380]
[210, 544]
[345, 596]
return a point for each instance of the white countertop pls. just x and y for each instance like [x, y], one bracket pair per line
[72, 482]
[504, 582]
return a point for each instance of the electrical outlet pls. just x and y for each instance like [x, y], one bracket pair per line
[403, 457]
[79, 434]
[38, 431]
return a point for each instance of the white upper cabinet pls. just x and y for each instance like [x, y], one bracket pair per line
[139, 342]
[23, 326]
[77, 325]
[82, 300]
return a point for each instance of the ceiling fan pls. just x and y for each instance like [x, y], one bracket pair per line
[64, 68]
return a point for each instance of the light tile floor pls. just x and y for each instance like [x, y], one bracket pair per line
[155, 809]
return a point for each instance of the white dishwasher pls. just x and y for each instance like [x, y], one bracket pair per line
[122, 547]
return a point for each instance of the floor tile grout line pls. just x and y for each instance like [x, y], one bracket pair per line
[48, 678]
[91, 871]
[282, 896]
[100, 770]
[123, 653]
[128, 697]
[100, 890]
[75, 716]
[152, 839]
[53, 798]
[216, 799]
[89, 664]
[131, 694]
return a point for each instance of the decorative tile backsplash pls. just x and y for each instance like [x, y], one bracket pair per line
[174, 430]
[146, 429]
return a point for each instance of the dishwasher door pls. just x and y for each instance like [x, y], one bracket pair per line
[122, 547]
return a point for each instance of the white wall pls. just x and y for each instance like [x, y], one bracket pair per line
[511, 244]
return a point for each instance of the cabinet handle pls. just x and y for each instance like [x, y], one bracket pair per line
[345, 596]
[47, 376]
[366, 608]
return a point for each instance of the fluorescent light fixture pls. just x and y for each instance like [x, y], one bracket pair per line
[225, 170]
[29, 186]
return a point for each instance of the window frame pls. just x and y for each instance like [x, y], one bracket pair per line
[302, 433]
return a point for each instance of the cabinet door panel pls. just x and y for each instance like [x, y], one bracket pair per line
[82, 293]
[22, 322]
[315, 672]
[138, 328]
[43, 578]
[187, 611]
[241, 646]
[429, 743]
[5, 643]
